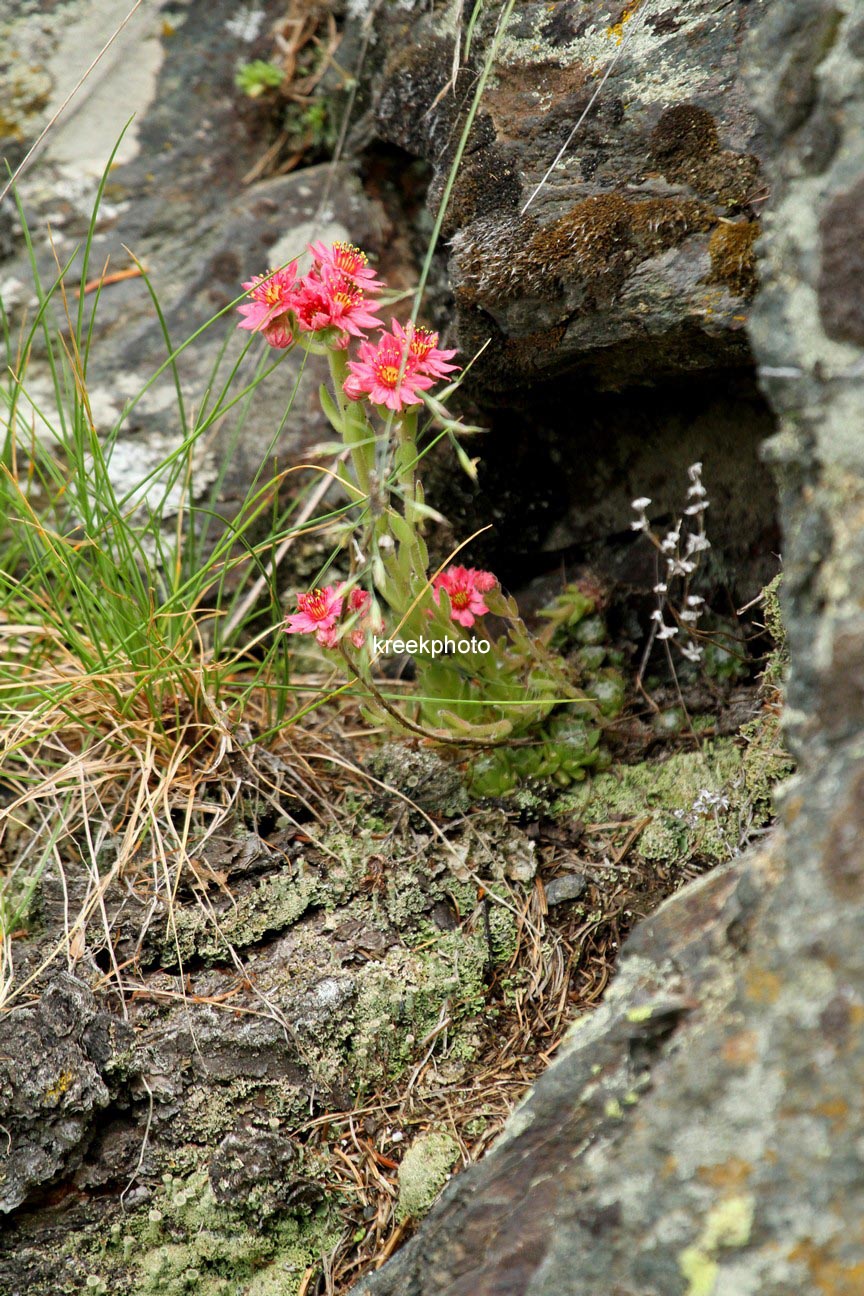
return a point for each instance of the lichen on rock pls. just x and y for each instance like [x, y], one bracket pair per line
[423, 1172]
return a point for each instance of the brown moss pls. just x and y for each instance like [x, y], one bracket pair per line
[685, 147]
[683, 134]
[733, 259]
[604, 237]
[598, 241]
[487, 184]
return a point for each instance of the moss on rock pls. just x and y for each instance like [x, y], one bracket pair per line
[733, 259]
[184, 1242]
[695, 804]
[424, 1171]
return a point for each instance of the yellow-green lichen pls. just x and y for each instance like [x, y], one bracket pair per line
[58, 1087]
[424, 1171]
[640, 1014]
[728, 1224]
[406, 995]
[274, 904]
[693, 805]
[185, 1244]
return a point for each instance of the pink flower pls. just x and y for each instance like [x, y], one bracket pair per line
[465, 588]
[423, 347]
[359, 603]
[483, 580]
[348, 260]
[332, 300]
[277, 335]
[272, 297]
[317, 613]
[386, 374]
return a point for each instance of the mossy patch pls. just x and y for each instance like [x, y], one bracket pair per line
[695, 804]
[184, 1242]
[733, 259]
[599, 241]
[424, 1171]
[686, 149]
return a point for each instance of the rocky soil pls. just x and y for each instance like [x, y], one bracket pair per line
[351, 971]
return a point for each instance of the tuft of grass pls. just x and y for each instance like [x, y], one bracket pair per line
[141, 665]
[133, 666]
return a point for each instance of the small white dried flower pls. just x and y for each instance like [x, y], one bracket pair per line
[695, 509]
[697, 544]
[670, 541]
[661, 588]
[679, 567]
[665, 631]
[694, 600]
[640, 525]
[641, 503]
[707, 800]
[691, 651]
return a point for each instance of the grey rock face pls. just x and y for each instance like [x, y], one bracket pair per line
[633, 257]
[702, 1133]
[612, 298]
[177, 198]
[51, 1084]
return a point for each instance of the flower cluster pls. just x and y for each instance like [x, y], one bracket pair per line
[679, 552]
[465, 588]
[402, 363]
[320, 613]
[333, 299]
[333, 296]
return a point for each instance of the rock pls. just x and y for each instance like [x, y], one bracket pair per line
[569, 886]
[702, 1132]
[613, 309]
[52, 1086]
[175, 197]
[256, 1170]
[633, 257]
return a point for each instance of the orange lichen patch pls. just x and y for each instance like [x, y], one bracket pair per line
[733, 260]
[60, 1086]
[837, 1112]
[616, 29]
[831, 1277]
[763, 987]
[731, 1175]
[740, 1050]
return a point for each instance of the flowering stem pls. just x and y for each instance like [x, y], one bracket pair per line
[355, 428]
[406, 460]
